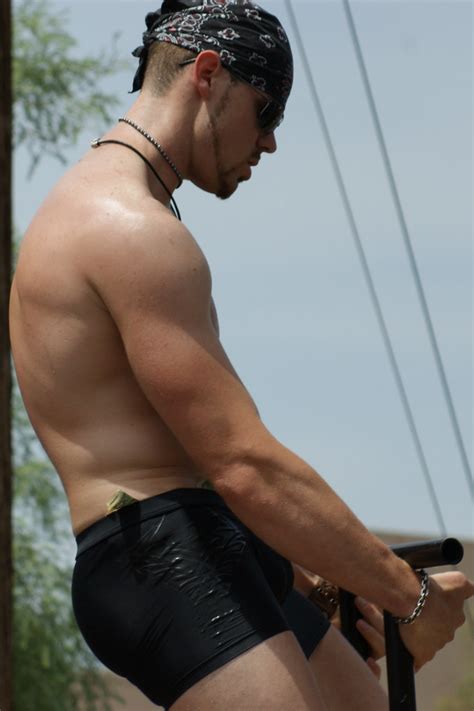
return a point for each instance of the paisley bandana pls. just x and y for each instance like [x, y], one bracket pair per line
[251, 42]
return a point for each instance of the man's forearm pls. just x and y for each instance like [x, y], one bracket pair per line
[287, 504]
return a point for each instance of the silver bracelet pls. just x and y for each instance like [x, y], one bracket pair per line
[421, 600]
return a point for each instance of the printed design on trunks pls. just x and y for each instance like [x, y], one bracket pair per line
[200, 565]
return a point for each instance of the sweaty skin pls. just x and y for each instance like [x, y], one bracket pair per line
[115, 343]
[94, 421]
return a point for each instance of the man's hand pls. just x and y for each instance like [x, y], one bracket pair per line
[442, 615]
[435, 627]
[371, 627]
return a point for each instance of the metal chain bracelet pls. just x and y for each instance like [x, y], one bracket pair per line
[421, 600]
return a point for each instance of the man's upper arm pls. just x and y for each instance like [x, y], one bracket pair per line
[158, 289]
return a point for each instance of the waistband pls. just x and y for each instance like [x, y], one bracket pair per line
[142, 510]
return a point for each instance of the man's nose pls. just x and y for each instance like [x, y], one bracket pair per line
[267, 142]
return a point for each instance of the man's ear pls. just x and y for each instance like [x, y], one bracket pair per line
[206, 69]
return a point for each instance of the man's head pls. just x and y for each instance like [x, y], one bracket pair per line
[239, 73]
[251, 43]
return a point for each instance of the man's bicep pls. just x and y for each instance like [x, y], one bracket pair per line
[160, 300]
[187, 377]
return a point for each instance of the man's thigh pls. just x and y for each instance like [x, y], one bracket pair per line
[272, 675]
[344, 679]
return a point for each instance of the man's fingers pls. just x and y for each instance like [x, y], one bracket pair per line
[373, 637]
[469, 589]
[455, 580]
[371, 614]
[371, 627]
[374, 668]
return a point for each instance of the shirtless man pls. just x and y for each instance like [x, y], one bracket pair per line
[182, 589]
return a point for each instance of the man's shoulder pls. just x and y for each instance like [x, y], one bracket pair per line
[147, 225]
[132, 229]
[144, 249]
[110, 234]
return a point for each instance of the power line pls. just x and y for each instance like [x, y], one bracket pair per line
[366, 271]
[409, 248]
[412, 261]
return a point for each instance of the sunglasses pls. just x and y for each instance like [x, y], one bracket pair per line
[269, 118]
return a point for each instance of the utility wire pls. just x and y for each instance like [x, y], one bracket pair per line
[413, 265]
[366, 271]
[409, 248]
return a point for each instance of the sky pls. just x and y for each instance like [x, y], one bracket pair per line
[295, 314]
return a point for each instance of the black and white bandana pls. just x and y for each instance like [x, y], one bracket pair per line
[251, 42]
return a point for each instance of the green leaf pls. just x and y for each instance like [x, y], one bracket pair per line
[56, 93]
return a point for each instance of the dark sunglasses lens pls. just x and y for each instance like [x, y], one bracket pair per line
[270, 117]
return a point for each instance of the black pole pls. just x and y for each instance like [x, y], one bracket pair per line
[430, 554]
[400, 674]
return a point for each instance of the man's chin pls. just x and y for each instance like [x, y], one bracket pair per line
[225, 195]
[225, 191]
[231, 188]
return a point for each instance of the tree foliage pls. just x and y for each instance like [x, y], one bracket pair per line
[55, 95]
[55, 92]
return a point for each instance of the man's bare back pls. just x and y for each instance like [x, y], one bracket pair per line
[93, 419]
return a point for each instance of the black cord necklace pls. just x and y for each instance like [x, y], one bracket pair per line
[173, 206]
[157, 145]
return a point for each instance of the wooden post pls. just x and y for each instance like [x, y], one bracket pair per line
[6, 700]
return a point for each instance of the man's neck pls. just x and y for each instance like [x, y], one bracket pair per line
[157, 119]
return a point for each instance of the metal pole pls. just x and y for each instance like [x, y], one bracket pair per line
[400, 674]
[6, 692]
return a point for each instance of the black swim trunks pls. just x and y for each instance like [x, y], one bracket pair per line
[168, 589]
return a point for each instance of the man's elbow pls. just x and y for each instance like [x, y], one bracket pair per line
[235, 483]
[241, 472]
